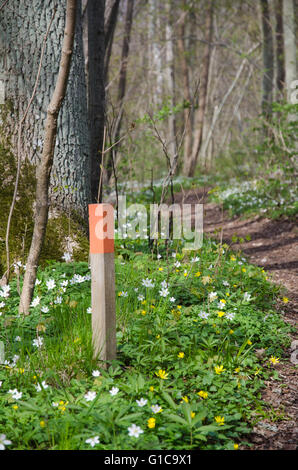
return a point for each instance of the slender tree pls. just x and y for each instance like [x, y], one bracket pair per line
[268, 60]
[187, 121]
[289, 45]
[279, 49]
[190, 161]
[111, 15]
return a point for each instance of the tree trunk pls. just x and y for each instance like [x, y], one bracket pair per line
[111, 15]
[289, 46]
[279, 50]
[170, 84]
[121, 85]
[190, 162]
[22, 29]
[268, 60]
[186, 92]
[45, 166]
[96, 89]
[154, 52]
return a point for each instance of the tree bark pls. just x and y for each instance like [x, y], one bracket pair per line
[121, 84]
[154, 53]
[289, 46]
[186, 92]
[22, 28]
[279, 50]
[268, 60]
[170, 84]
[96, 89]
[111, 15]
[190, 162]
[45, 166]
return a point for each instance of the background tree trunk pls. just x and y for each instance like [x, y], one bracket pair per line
[170, 83]
[268, 60]
[22, 28]
[121, 86]
[45, 165]
[111, 15]
[289, 45]
[186, 92]
[279, 50]
[191, 162]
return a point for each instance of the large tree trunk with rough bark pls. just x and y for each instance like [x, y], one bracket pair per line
[22, 28]
[45, 166]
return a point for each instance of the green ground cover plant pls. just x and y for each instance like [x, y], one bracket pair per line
[187, 375]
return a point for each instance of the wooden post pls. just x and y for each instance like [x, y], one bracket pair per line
[101, 229]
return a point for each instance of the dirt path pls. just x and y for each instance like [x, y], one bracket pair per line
[274, 246]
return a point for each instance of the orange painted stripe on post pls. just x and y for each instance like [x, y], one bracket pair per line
[101, 228]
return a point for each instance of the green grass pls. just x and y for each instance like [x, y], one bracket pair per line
[208, 361]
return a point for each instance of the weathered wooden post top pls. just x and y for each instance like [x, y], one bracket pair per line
[101, 233]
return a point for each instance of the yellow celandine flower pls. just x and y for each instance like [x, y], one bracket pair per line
[160, 269]
[249, 342]
[143, 312]
[236, 446]
[237, 370]
[220, 420]
[157, 336]
[274, 360]
[232, 258]
[185, 399]
[143, 302]
[219, 369]
[234, 285]
[181, 355]
[198, 274]
[179, 306]
[185, 274]
[151, 389]
[42, 424]
[162, 374]
[203, 394]
[62, 406]
[15, 407]
[220, 314]
[151, 423]
[223, 301]
[243, 270]
[285, 300]
[192, 414]
[231, 332]
[227, 294]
